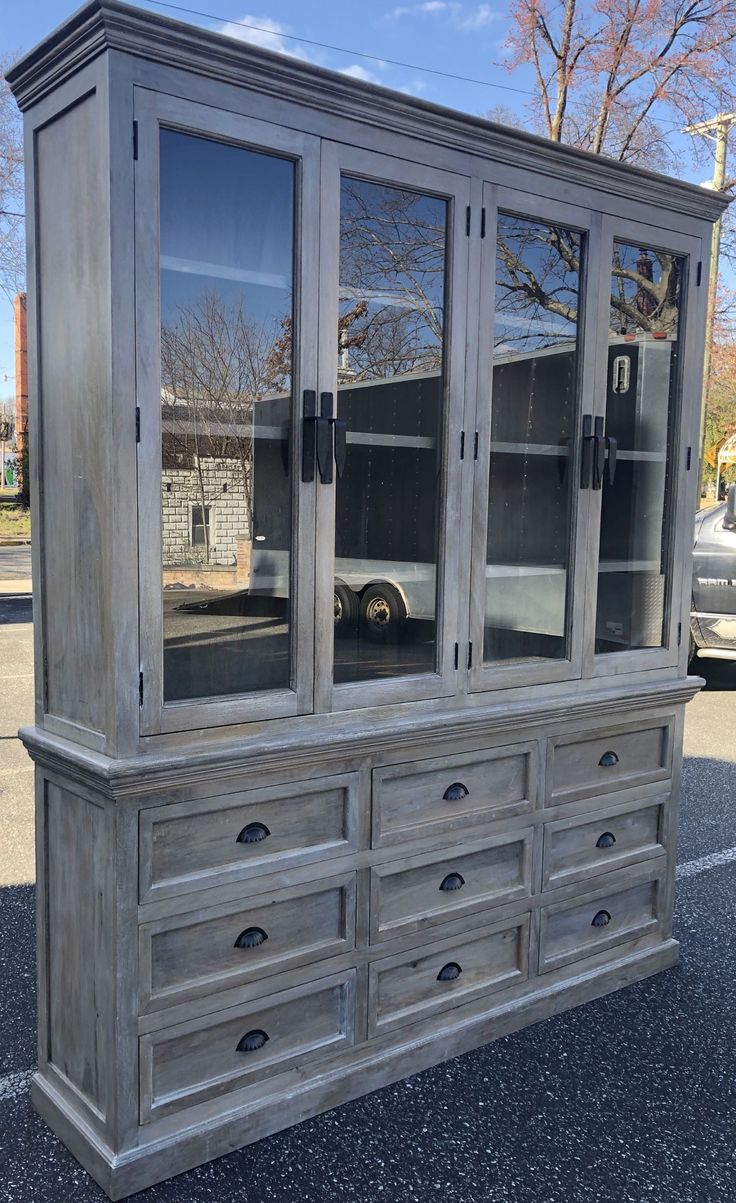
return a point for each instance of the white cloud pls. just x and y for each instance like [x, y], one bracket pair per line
[479, 17]
[428, 8]
[265, 32]
[355, 71]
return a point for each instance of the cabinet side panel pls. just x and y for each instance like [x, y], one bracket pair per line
[74, 403]
[79, 965]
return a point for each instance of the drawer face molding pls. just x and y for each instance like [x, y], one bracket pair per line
[583, 846]
[199, 1060]
[453, 792]
[189, 846]
[421, 891]
[215, 948]
[596, 762]
[436, 978]
[573, 930]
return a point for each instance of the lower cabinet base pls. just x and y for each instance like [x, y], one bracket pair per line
[161, 1151]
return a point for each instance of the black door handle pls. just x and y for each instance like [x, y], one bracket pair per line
[612, 446]
[599, 454]
[586, 457]
[324, 439]
[309, 434]
[340, 440]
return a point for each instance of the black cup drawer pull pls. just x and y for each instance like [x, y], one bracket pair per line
[453, 881]
[254, 833]
[252, 937]
[252, 1041]
[601, 919]
[449, 972]
[608, 760]
[607, 840]
[455, 792]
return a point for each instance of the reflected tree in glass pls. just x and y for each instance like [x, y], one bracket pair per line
[533, 409]
[393, 249]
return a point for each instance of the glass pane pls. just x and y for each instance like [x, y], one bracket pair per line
[533, 404]
[390, 393]
[643, 352]
[227, 242]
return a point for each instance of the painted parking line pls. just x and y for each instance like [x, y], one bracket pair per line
[713, 860]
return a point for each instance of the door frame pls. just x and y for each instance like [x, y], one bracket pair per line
[545, 209]
[682, 426]
[339, 159]
[152, 111]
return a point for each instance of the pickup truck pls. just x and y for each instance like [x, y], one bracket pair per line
[713, 616]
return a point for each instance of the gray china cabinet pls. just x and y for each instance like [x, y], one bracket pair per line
[364, 444]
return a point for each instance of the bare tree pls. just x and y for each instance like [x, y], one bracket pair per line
[216, 364]
[12, 266]
[617, 77]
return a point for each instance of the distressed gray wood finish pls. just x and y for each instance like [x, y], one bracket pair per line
[585, 846]
[410, 800]
[188, 847]
[143, 887]
[407, 987]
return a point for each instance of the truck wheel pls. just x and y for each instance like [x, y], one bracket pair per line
[383, 612]
[693, 649]
[347, 609]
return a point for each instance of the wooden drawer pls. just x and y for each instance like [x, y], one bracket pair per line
[413, 985]
[193, 845]
[452, 792]
[200, 1059]
[597, 762]
[583, 846]
[573, 930]
[415, 893]
[214, 948]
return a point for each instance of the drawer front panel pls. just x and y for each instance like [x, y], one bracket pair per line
[582, 847]
[189, 846]
[411, 801]
[425, 890]
[220, 947]
[416, 984]
[574, 930]
[201, 1059]
[598, 762]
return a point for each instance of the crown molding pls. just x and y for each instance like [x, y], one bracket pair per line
[104, 25]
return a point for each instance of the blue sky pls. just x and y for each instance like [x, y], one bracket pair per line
[461, 38]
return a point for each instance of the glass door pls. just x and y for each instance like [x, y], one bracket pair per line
[535, 370]
[227, 232]
[394, 258]
[638, 462]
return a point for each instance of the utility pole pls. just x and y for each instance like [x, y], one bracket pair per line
[717, 131]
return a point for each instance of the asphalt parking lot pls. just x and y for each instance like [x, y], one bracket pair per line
[629, 1099]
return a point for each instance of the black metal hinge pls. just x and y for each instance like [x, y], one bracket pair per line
[140, 689]
[699, 275]
[467, 221]
[679, 633]
[689, 459]
[475, 446]
[483, 222]
[470, 655]
[135, 139]
[137, 423]
[462, 444]
[457, 655]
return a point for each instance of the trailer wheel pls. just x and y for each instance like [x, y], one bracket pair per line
[383, 612]
[347, 609]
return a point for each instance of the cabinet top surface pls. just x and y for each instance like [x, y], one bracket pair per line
[104, 25]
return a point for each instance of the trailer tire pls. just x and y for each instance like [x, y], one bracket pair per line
[383, 612]
[347, 609]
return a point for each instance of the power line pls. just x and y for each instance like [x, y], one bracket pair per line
[376, 58]
[7, 213]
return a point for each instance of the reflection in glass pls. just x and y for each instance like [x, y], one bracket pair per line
[535, 365]
[227, 219]
[390, 393]
[643, 351]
